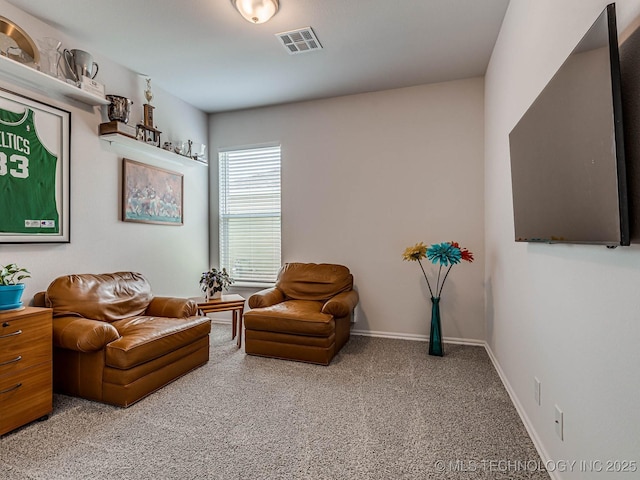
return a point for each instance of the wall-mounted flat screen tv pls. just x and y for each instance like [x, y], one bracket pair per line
[567, 154]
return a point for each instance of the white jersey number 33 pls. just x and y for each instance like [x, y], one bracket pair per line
[18, 165]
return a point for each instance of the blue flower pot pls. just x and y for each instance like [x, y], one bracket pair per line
[10, 296]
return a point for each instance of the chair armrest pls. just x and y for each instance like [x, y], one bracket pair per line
[342, 304]
[40, 299]
[172, 307]
[82, 334]
[266, 298]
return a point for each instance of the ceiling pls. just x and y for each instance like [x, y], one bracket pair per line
[205, 53]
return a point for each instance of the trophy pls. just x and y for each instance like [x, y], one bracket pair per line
[146, 132]
[119, 108]
[79, 63]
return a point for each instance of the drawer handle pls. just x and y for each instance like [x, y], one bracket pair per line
[17, 359]
[13, 334]
[15, 387]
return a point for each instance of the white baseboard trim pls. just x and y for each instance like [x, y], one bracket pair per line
[220, 320]
[416, 338]
[544, 456]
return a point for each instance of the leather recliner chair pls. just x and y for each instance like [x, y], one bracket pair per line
[305, 317]
[115, 342]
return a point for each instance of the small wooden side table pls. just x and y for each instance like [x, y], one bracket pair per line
[231, 302]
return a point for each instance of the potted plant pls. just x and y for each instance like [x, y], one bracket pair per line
[213, 281]
[10, 288]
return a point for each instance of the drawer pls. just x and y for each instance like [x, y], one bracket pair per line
[24, 342]
[25, 397]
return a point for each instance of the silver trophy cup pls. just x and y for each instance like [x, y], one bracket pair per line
[80, 63]
[119, 108]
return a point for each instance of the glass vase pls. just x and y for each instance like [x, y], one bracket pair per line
[435, 334]
[50, 55]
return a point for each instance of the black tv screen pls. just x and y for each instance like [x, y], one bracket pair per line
[567, 155]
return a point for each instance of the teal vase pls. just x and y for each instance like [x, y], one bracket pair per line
[435, 335]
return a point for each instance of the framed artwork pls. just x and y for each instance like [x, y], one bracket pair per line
[151, 194]
[35, 146]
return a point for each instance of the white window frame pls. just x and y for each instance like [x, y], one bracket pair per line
[254, 256]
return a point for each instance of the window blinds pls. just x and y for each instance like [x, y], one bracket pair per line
[249, 189]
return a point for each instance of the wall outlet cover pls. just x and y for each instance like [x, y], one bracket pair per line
[559, 422]
[536, 390]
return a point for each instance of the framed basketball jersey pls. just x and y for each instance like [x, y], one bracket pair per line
[34, 171]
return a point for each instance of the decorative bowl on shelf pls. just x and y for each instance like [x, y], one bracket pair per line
[16, 44]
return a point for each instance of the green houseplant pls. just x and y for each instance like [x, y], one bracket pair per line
[10, 287]
[213, 281]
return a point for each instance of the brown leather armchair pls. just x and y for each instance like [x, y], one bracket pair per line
[305, 317]
[115, 342]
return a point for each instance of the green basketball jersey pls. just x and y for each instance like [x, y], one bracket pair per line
[27, 177]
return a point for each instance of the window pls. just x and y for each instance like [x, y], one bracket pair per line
[249, 182]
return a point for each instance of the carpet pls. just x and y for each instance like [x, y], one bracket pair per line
[383, 409]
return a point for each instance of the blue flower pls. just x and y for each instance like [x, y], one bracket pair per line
[444, 254]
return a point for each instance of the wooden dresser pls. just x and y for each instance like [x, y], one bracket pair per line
[25, 367]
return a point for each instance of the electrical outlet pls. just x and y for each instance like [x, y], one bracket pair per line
[536, 390]
[559, 423]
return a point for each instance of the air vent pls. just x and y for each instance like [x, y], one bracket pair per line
[302, 40]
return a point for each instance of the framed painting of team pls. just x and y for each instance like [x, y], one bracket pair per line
[34, 171]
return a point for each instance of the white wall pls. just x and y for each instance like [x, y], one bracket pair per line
[567, 314]
[171, 257]
[364, 177]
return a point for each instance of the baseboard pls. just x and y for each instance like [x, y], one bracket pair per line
[220, 320]
[417, 338]
[544, 456]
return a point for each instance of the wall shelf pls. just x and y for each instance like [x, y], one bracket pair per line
[31, 78]
[125, 144]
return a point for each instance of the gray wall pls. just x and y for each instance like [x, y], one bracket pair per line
[171, 257]
[364, 177]
[567, 314]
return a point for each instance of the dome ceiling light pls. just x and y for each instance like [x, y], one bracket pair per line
[256, 11]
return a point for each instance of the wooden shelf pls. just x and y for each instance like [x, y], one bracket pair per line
[125, 145]
[33, 79]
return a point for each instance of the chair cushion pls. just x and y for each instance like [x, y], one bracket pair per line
[144, 338]
[106, 297]
[298, 317]
[313, 281]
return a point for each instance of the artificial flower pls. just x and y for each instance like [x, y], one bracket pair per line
[445, 254]
[418, 251]
[467, 256]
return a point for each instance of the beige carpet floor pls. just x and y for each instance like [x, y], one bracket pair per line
[383, 409]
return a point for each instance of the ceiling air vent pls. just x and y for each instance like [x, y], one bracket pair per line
[302, 40]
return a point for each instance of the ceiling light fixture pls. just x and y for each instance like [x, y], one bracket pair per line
[256, 11]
